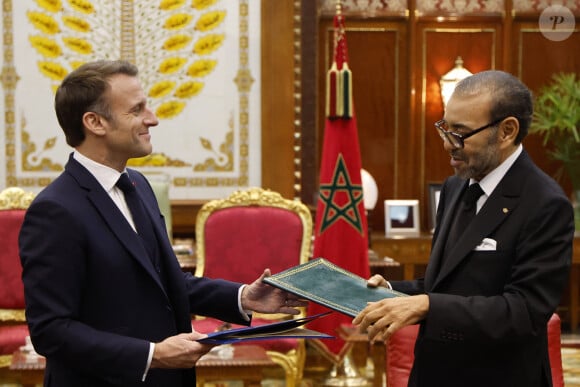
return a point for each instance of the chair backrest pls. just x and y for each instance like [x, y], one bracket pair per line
[555, 350]
[13, 204]
[400, 355]
[238, 237]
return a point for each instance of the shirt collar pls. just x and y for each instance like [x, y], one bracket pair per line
[106, 176]
[492, 179]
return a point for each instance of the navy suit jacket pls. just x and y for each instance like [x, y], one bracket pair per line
[489, 309]
[94, 301]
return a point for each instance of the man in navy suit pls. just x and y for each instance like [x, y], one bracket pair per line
[105, 305]
[491, 284]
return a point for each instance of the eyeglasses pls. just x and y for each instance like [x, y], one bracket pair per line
[456, 139]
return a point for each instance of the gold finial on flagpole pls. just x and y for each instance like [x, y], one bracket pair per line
[339, 77]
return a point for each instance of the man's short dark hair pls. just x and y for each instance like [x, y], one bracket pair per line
[510, 97]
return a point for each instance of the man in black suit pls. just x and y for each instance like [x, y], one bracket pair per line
[106, 301]
[492, 282]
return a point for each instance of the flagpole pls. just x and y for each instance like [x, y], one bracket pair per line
[341, 223]
[344, 372]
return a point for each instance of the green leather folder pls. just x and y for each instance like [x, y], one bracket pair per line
[329, 285]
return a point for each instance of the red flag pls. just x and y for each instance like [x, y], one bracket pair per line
[341, 223]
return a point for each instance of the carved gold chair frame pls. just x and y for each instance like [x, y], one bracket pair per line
[293, 361]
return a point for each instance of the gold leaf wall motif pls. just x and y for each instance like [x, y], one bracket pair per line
[45, 46]
[76, 24]
[171, 65]
[208, 44]
[201, 68]
[83, 6]
[177, 22]
[45, 23]
[223, 159]
[32, 159]
[156, 160]
[210, 20]
[170, 5]
[176, 44]
[202, 4]
[50, 5]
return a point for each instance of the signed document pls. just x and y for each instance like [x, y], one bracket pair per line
[327, 284]
[278, 330]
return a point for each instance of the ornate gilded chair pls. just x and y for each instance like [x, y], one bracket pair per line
[13, 328]
[238, 237]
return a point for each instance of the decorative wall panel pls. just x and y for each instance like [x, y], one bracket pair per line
[368, 8]
[459, 7]
[199, 63]
[539, 5]
[439, 48]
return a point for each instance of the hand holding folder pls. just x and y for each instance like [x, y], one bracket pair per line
[278, 330]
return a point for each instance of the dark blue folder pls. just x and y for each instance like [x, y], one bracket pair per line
[277, 330]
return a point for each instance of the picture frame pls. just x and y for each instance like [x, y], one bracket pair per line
[434, 192]
[402, 218]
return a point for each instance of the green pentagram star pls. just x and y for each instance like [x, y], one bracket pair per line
[350, 195]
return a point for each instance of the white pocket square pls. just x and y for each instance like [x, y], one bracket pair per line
[487, 244]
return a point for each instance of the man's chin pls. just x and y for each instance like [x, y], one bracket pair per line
[462, 173]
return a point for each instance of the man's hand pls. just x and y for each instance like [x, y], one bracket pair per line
[180, 351]
[383, 318]
[263, 298]
[377, 280]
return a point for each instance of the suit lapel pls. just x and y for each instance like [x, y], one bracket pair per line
[486, 221]
[503, 200]
[438, 247]
[158, 226]
[111, 214]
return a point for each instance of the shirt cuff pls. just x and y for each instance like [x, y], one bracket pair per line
[245, 313]
[388, 286]
[149, 360]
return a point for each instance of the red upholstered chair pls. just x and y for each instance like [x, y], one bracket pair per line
[555, 350]
[13, 328]
[238, 237]
[400, 357]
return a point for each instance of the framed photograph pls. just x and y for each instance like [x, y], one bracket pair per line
[434, 191]
[402, 218]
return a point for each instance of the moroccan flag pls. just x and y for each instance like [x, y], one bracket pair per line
[341, 224]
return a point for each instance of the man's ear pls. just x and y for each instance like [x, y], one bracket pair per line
[508, 130]
[94, 123]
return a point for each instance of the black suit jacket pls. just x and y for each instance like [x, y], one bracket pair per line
[489, 309]
[94, 301]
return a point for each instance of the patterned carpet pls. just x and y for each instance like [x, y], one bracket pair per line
[571, 365]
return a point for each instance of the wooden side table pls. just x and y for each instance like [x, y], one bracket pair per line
[376, 351]
[246, 365]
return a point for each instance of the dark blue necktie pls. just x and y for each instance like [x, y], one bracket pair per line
[142, 221]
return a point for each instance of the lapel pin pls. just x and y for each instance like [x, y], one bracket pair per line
[505, 210]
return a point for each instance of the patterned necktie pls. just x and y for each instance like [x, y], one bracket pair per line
[464, 213]
[142, 221]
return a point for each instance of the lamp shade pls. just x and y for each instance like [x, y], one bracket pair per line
[370, 190]
[450, 80]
